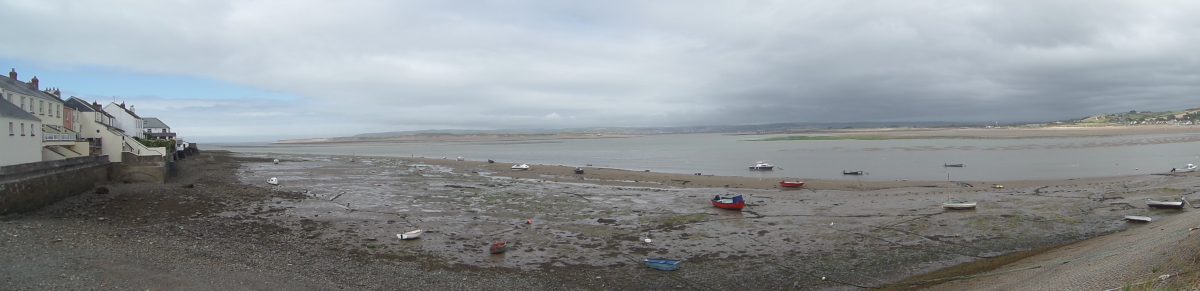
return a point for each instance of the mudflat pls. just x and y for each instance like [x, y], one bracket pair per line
[332, 222]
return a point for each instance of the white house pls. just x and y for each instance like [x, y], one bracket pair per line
[125, 119]
[23, 143]
[100, 130]
[156, 129]
[58, 142]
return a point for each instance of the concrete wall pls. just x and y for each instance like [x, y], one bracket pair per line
[30, 186]
[17, 148]
[134, 168]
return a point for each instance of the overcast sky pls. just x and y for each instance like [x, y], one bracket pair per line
[261, 70]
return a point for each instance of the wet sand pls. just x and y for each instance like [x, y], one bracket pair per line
[332, 222]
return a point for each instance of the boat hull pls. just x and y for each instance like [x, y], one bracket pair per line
[1136, 218]
[762, 168]
[791, 184]
[1165, 205]
[958, 206]
[410, 235]
[662, 264]
[498, 247]
[730, 203]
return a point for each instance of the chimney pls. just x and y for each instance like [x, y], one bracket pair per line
[12, 74]
[57, 93]
[33, 83]
[131, 108]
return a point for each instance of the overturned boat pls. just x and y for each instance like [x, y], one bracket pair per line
[1137, 218]
[791, 184]
[731, 202]
[662, 264]
[410, 235]
[959, 205]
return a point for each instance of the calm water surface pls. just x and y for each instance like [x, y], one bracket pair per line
[911, 159]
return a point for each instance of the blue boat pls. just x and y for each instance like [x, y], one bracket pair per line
[662, 264]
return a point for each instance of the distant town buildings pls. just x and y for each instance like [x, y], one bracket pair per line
[44, 127]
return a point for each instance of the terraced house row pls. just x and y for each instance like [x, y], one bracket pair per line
[42, 126]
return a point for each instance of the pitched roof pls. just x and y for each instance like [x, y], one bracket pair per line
[78, 105]
[122, 106]
[152, 122]
[7, 109]
[24, 88]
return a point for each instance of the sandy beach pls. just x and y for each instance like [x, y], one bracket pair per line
[332, 225]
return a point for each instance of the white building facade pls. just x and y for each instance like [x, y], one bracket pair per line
[125, 119]
[21, 143]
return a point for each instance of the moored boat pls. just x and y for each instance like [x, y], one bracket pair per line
[958, 205]
[410, 235]
[856, 173]
[520, 167]
[273, 181]
[1137, 218]
[1164, 204]
[731, 202]
[1185, 169]
[578, 170]
[498, 247]
[952, 165]
[762, 166]
[662, 264]
[791, 184]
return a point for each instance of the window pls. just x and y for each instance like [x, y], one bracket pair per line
[10, 128]
[41, 107]
[23, 103]
[22, 129]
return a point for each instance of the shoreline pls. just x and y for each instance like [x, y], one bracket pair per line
[219, 225]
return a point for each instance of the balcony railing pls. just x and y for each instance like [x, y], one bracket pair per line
[59, 136]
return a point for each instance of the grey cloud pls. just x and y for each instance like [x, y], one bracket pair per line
[385, 65]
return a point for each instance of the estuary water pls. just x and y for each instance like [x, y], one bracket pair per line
[731, 155]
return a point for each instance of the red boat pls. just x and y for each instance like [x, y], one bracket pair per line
[791, 184]
[729, 202]
[499, 247]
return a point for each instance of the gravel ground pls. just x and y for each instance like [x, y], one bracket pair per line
[216, 226]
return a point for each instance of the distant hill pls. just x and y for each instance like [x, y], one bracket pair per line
[749, 128]
[1189, 116]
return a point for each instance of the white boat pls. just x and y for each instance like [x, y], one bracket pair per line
[273, 181]
[1164, 204]
[958, 205]
[459, 159]
[762, 166]
[1186, 169]
[276, 161]
[521, 167]
[410, 235]
[1135, 218]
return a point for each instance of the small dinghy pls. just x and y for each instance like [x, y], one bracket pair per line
[791, 184]
[1136, 218]
[491, 162]
[662, 264]
[854, 173]
[498, 247]
[520, 167]
[731, 202]
[276, 161]
[410, 235]
[959, 205]
[459, 159]
[1164, 204]
[1185, 169]
[273, 181]
[578, 171]
[952, 165]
